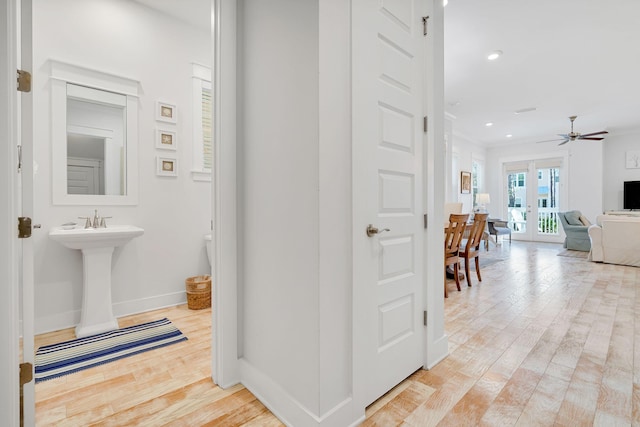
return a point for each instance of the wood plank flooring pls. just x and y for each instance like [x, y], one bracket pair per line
[544, 340]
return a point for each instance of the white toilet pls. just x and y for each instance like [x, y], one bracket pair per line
[207, 240]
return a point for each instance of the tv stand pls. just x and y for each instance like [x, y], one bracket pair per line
[623, 213]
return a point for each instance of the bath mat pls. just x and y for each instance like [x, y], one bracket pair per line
[56, 360]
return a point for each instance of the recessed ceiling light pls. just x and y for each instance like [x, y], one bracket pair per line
[494, 55]
[489, 124]
[445, 2]
[508, 135]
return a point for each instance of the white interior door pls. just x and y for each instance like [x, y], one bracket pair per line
[388, 55]
[83, 176]
[26, 207]
[16, 191]
[9, 315]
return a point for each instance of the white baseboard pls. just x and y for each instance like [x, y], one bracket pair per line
[70, 319]
[290, 411]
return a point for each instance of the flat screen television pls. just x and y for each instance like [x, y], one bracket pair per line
[632, 195]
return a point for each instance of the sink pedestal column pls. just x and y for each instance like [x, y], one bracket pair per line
[97, 313]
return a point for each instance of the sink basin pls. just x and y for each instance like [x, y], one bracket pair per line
[97, 245]
[87, 238]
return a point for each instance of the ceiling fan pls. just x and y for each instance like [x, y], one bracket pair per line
[572, 136]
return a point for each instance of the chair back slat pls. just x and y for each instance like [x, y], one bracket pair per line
[477, 230]
[454, 232]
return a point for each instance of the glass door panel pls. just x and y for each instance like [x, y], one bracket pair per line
[547, 201]
[517, 202]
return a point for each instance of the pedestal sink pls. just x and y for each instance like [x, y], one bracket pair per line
[97, 246]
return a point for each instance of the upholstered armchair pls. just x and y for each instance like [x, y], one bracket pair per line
[576, 227]
[498, 227]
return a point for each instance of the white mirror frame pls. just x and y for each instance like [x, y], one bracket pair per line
[60, 74]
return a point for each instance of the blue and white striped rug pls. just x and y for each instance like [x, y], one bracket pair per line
[56, 360]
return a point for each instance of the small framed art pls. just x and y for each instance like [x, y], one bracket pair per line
[166, 112]
[166, 139]
[166, 166]
[633, 159]
[465, 182]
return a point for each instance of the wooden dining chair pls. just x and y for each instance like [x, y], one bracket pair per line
[472, 247]
[452, 238]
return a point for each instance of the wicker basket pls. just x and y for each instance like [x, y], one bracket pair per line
[198, 292]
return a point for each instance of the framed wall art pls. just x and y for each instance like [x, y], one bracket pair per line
[633, 159]
[166, 112]
[166, 139]
[465, 182]
[166, 166]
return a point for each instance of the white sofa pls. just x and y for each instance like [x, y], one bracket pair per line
[615, 239]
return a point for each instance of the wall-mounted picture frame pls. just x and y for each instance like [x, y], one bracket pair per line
[633, 159]
[166, 166]
[166, 139]
[166, 112]
[465, 182]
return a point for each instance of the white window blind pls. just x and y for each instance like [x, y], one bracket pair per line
[207, 120]
[202, 124]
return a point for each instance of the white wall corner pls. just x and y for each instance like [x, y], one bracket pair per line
[288, 409]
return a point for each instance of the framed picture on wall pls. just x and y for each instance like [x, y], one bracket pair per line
[166, 166]
[633, 159]
[465, 182]
[166, 112]
[166, 139]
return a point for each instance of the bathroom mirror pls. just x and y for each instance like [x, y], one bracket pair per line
[94, 137]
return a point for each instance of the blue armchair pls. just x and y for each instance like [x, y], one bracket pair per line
[576, 231]
[498, 227]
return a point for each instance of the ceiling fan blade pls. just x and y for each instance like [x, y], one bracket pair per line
[549, 140]
[564, 142]
[594, 133]
[564, 135]
[593, 139]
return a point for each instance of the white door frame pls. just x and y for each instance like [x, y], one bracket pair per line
[436, 342]
[225, 366]
[9, 260]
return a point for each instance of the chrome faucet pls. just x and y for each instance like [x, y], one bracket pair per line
[97, 221]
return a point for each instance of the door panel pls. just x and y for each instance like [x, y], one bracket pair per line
[387, 118]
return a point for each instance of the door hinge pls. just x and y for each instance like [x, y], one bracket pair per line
[24, 227]
[426, 220]
[26, 373]
[424, 319]
[424, 25]
[24, 81]
[425, 124]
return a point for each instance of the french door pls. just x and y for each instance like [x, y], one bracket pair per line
[533, 195]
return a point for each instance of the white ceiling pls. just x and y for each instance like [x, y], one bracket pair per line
[564, 57]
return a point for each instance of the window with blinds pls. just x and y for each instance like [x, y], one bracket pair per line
[207, 119]
[202, 124]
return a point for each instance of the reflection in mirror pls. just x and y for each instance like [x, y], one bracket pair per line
[95, 141]
[94, 125]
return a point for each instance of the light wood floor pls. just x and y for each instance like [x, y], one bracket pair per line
[543, 340]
